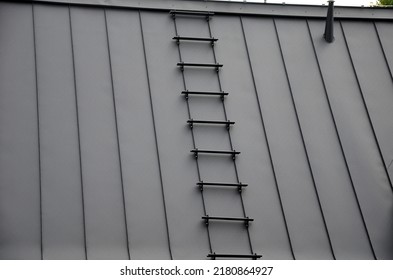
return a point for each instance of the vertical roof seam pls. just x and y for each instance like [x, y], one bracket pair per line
[117, 136]
[38, 129]
[79, 138]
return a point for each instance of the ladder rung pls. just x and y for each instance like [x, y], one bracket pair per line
[239, 185]
[185, 38]
[240, 256]
[241, 219]
[221, 184]
[191, 13]
[227, 123]
[246, 220]
[192, 64]
[216, 93]
[231, 152]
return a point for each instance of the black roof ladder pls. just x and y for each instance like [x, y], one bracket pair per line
[184, 42]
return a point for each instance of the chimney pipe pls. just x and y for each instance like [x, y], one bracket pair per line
[329, 37]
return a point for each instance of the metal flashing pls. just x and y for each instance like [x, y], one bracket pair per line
[239, 8]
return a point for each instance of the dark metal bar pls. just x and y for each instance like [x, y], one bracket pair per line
[239, 185]
[193, 64]
[240, 256]
[231, 152]
[191, 13]
[221, 184]
[191, 121]
[215, 93]
[246, 219]
[186, 38]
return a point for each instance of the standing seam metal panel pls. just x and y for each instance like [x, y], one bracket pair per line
[334, 192]
[289, 36]
[375, 83]
[352, 243]
[287, 152]
[383, 194]
[384, 32]
[358, 142]
[146, 221]
[20, 234]
[62, 207]
[117, 137]
[285, 38]
[268, 145]
[155, 135]
[104, 209]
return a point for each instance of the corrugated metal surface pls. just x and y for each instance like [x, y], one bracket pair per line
[95, 155]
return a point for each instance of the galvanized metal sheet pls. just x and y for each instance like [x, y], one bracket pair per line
[143, 195]
[365, 164]
[268, 234]
[375, 82]
[62, 203]
[385, 33]
[327, 162]
[20, 234]
[300, 204]
[105, 217]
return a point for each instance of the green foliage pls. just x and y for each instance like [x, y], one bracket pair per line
[385, 2]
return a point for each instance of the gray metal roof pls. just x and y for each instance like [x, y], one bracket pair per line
[95, 157]
[226, 7]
